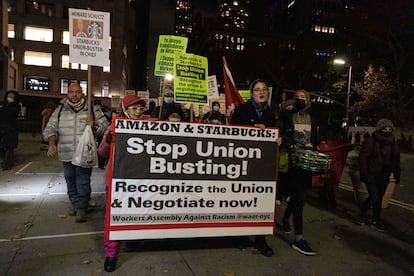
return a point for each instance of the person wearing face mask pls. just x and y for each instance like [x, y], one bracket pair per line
[9, 134]
[297, 131]
[132, 107]
[214, 116]
[379, 156]
[256, 112]
[167, 107]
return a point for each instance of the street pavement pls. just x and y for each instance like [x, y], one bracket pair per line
[38, 238]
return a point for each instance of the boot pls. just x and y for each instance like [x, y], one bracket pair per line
[8, 160]
[80, 215]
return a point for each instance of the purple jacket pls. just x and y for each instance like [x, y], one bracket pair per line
[379, 156]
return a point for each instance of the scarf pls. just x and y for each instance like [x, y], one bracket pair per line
[76, 105]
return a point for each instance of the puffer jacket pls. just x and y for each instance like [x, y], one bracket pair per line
[379, 157]
[69, 127]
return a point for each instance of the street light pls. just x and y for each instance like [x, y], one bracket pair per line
[343, 62]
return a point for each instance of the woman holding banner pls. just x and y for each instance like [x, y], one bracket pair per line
[257, 112]
[132, 107]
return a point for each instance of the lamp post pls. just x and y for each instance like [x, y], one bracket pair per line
[348, 94]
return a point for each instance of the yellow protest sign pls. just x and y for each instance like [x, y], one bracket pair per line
[190, 78]
[167, 46]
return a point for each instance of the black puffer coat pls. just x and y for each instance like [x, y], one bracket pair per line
[9, 133]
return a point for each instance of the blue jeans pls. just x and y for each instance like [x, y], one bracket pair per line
[78, 181]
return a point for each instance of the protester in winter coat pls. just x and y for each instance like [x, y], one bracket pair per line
[63, 133]
[167, 107]
[132, 107]
[297, 131]
[9, 134]
[256, 112]
[214, 116]
[379, 156]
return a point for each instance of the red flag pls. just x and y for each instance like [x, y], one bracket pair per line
[233, 97]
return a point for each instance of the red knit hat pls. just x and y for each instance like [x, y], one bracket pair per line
[130, 100]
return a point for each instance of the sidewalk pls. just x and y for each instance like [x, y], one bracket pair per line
[38, 238]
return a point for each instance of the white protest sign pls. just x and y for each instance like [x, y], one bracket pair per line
[89, 37]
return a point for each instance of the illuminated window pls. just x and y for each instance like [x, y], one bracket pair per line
[64, 63]
[37, 58]
[105, 89]
[331, 30]
[107, 68]
[11, 54]
[38, 34]
[65, 37]
[11, 32]
[36, 83]
[324, 29]
[74, 66]
[317, 28]
[84, 66]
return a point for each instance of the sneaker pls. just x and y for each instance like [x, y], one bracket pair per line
[303, 247]
[377, 226]
[80, 215]
[286, 227]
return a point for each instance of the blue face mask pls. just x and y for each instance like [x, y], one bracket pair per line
[168, 100]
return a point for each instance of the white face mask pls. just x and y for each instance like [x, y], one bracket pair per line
[10, 100]
[168, 100]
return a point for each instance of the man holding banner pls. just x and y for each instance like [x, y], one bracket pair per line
[257, 112]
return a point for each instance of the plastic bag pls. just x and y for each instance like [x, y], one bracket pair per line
[86, 155]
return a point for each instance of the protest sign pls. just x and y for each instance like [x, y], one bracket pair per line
[89, 37]
[190, 78]
[176, 179]
[167, 46]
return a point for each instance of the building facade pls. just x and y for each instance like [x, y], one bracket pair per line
[38, 37]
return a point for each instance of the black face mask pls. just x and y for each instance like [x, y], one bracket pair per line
[300, 103]
[385, 134]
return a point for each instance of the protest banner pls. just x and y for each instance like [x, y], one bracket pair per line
[176, 179]
[167, 46]
[190, 78]
[89, 37]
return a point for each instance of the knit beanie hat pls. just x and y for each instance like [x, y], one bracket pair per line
[130, 100]
[383, 123]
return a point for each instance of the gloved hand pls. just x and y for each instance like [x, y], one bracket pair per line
[109, 137]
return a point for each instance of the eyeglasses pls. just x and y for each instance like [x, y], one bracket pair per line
[135, 108]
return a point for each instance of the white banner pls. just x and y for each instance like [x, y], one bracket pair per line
[89, 37]
[171, 180]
